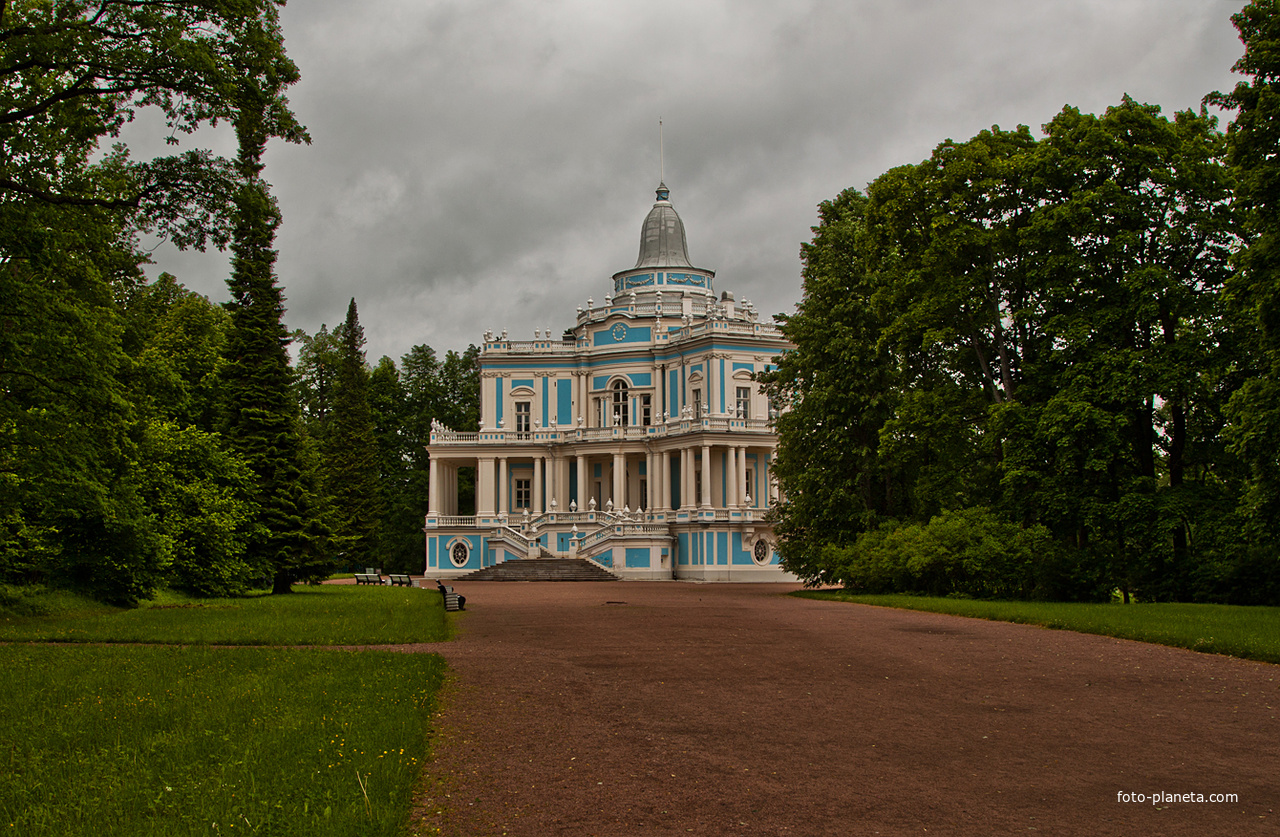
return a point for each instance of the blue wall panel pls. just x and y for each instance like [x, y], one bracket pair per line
[722, 406]
[637, 557]
[722, 547]
[683, 548]
[564, 402]
[498, 403]
[614, 335]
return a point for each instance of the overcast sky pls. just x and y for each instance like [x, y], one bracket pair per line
[488, 163]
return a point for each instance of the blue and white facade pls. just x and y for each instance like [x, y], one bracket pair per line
[639, 439]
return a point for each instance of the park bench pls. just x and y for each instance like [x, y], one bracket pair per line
[398, 580]
[368, 578]
[452, 601]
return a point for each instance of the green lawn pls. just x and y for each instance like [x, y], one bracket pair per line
[180, 738]
[159, 741]
[1249, 632]
[312, 615]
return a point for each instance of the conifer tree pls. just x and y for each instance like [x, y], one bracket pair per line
[351, 453]
[262, 416]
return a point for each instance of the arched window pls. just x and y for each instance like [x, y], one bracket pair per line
[620, 403]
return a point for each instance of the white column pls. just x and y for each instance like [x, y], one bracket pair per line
[706, 476]
[664, 469]
[582, 483]
[652, 470]
[503, 482]
[619, 481]
[484, 488]
[686, 476]
[742, 474]
[731, 478]
[553, 482]
[537, 486]
[433, 486]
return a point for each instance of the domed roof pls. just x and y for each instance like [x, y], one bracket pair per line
[662, 242]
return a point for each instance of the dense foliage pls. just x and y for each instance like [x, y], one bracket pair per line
[113, 476]
[372, 427]
[1018, 372]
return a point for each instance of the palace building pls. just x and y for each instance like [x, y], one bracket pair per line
[638, 439]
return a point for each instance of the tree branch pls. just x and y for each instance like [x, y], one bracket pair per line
[67, 200]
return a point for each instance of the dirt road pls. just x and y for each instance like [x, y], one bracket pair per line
[671, 709]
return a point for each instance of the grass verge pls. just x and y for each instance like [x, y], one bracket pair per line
[1252, 633]
[311, 615]
[177, 741]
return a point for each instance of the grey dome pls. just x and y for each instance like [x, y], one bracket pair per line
[662, 242]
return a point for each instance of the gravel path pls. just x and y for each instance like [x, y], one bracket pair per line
[667, 708]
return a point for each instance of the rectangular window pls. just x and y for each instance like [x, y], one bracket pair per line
[744, 402]
[644, 494]
[524, 494]
[697, 404]
[646, 413]
[522, 416]
[751, 483]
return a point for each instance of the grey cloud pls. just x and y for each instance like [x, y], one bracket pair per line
[488, 164]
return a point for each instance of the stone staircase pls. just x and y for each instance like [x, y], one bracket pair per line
[542, 569]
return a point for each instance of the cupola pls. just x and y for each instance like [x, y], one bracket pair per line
[662, 241]
[664, 254]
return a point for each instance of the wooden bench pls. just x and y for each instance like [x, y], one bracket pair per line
[368, 578]
[398, 580]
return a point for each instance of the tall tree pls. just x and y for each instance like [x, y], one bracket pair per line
[70, 508]
[72, 443]
[1252, 140]
[402, 502]
[835, 391]
[1033, 333]
[262, 416]
[351, 454]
